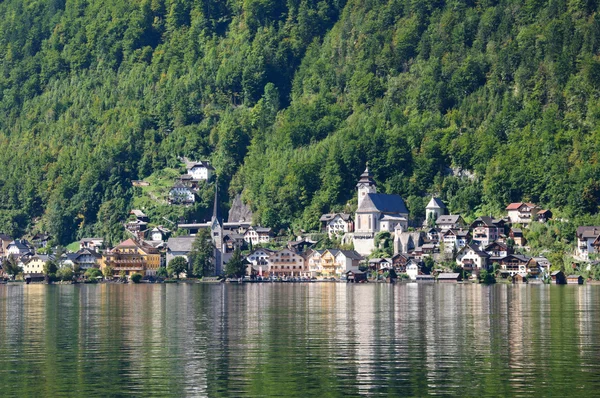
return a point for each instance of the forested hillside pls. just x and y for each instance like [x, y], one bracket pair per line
[482, 103]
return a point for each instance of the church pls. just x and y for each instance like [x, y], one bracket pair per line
[376, 212]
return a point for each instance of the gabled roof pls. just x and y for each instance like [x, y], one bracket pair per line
[384, 203]
[181, 243]
[127, 243]
[350, 254]
[20, 244]
[448, 275]
[498, 244]
[486, 220]
[92, 239]
[435, 203]
[448, 219]
[517, 206]
[138, 213]
[83, 252]
[200, 163]
[477, 250]
[588, 232]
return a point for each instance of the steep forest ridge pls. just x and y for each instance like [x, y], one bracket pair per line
[482, 103]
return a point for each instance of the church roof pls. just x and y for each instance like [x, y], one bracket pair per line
[384, 203]
[436, 203]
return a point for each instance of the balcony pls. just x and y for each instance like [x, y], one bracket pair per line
[128, 268]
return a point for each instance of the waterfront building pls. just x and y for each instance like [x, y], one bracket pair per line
[130, 257]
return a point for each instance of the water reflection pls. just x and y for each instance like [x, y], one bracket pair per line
[299, 340]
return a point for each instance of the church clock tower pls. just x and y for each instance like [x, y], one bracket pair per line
[365, 185]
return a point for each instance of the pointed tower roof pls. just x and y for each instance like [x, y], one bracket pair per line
[435, 203]
[216, 211]
[366, 177]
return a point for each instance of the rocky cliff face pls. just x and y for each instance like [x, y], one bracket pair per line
[239, 211]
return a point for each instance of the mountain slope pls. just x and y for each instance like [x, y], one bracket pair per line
[482, 103]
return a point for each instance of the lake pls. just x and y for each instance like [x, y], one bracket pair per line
[319, 339]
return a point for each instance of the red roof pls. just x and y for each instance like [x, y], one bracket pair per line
[516, 206]
[128, 243]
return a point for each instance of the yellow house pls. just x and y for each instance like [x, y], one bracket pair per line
[328, 264]
[35, 264]
[130, 257]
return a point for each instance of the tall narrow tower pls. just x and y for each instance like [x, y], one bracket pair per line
[216, 229]
[365, 185]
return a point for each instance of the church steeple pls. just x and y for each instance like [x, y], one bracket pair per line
[366, 184]
[216, 229]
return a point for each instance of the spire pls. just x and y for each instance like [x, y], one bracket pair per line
[216, 212]
[366, 177]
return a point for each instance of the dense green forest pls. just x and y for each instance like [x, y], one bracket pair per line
[482, 103]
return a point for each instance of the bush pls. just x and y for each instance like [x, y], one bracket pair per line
[136, 278]
[486, 277]
[92, 273]
[65, 274]
[161, 272]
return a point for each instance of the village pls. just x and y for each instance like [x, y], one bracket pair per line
[380, 242]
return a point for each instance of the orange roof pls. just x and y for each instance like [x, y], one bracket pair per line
[128, 243]
[514, 206]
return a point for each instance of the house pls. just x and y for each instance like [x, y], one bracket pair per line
[347, 260]
[286, 263]
[5, 240]
[300, 246]
[91, 243]
[544, 215]
[587, 242]
[516, 234]
[412, 270]
[558, 277]
[377, 264]
[434, 210]
[67, 260]
[522, 213]
[497, 249]
[513, 264]
[19, 248]
[130, 257]
[40, 240]
[433, 235]
[87, 258]
[159, 233]
[313, 261]
[180, 246]
[521, 277]
[449, 277]
[139, 215]
[337, 224]
[486, 230]
[455, 239]
[258, 235]
[376, 212]
[538, 265]
[574, 280]
[452, 221]
[356, 277]
[181, 194]
[259, 259]
[35, 264]
[399, 262]
[199, 170]
[472, 258]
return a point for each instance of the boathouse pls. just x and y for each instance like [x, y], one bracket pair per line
[574, 280]
[356, 277]
[558, 277]
[520, 278]
[449, 277]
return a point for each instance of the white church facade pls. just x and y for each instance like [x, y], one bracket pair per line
[376, 212]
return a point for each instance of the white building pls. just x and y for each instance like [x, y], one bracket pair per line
[337, 224]
[434, 210]
[376, 212]
[471, 257]
[522, 213]
[452, 221]
[180, 246]
[588, 242]
[18, 248]
[201, 170]
[180, 194]
[159, 233]
[259, 259]
[412, 270]
[258, 235]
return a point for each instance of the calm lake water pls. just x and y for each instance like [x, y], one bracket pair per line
[299, 340]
